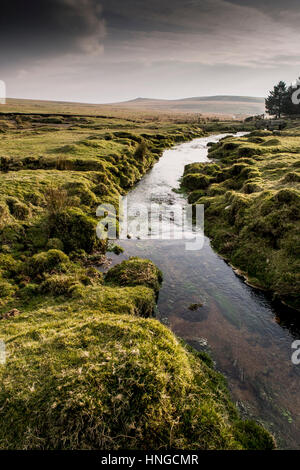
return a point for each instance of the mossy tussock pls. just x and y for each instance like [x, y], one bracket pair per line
[136, 272]
[88, 366]
[252, 208]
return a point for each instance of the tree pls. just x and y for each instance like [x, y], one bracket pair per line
[277, 100]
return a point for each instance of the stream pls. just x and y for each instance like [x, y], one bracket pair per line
[247, 335]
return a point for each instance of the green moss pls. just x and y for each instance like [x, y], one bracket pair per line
[141, 150]
[59, 284]
[195, 181]
[29, 291]
[194, 196]
[11, 235]
[116, 249]
[271, 142]
[245, 151]
[17, 209]
[254, 437]
[252, 187]
[37, 234]
[291, 177]
[75, 229]
[46, 262]
[255, 140]
[55, 244]
[5, 217]
[9, 266]
[260, 133]
[81, 190]
[7, 291]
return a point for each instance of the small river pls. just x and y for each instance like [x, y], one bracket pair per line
[247, 335]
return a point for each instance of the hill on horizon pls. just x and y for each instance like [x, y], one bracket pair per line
[209, 105]
[224, 106]
[235, 98]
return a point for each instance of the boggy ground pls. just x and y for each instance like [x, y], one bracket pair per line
[252, 206]
[87, 366]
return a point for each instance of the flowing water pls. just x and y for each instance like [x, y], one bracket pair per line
[247, 335]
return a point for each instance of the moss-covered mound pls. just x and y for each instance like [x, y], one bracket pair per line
[89, 373]
[252, 208]
[135, 272]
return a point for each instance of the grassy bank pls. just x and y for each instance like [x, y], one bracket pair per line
[252, 206]
[87, 364]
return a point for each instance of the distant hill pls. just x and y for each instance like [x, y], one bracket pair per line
[219, 105]
[228, 98]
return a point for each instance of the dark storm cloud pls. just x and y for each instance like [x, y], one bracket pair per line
[286, 11]
[268, 4]
[148, 30]
[159, 14]
[236, 32]
[33, 28]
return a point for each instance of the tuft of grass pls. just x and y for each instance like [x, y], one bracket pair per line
[57, 200]
[46, 262]
[136, 272]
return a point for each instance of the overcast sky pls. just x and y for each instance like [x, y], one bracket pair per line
[112, 50]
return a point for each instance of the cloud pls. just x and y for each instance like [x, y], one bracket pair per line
[103, 50]
[208, 32]
[237, 32]
[35, 28]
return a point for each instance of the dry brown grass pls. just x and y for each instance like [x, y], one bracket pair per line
[57, 200]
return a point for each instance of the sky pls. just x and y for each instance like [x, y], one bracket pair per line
[101, 51]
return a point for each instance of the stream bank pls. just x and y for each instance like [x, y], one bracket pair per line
[248, 335]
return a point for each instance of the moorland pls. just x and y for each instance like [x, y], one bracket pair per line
[87, 364]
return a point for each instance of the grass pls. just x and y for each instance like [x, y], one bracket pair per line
[252, 207]
[88, 366]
